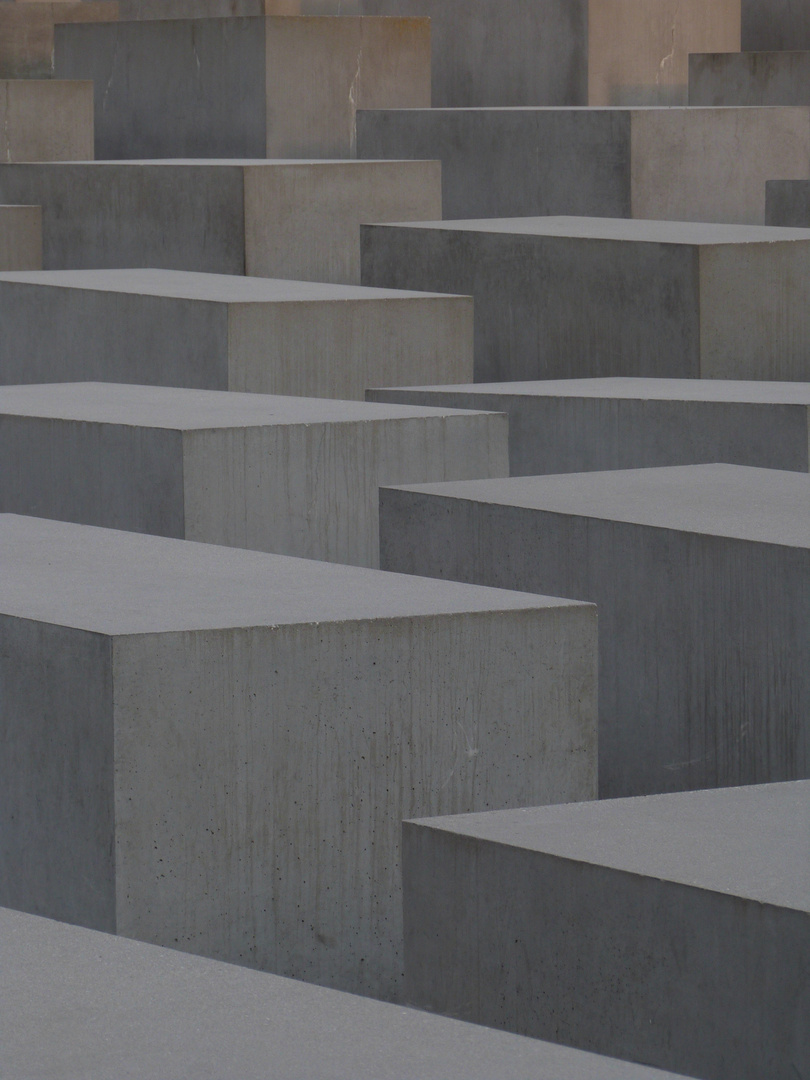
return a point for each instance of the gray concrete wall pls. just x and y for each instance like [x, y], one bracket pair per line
[46, 120]
[27, 33]
[20, 237]
[787, 202]
[774, 24]
[752, 78]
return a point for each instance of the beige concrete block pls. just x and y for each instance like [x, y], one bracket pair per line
[26, 32]
[20, 238]
[46, 120]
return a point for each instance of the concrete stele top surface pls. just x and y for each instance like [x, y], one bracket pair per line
[736, 501]
[637, 230]
[112, 582]
[227, 163]
[213, 288]
[77, 1003]
[752, 842]
[178, 409]
[627, 388]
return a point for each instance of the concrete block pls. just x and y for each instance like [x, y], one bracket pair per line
[27, 33]
[297, 476]
[20, 238]
[111, 1008]
[285, 219]
[250, 87]
[578, 425]
[225, 332]
[700, 574]
[787, 202]
[219, 9]
[675, 928]
[213, 749]
[564, 297]
[641, 163]
[46, 120]
[774, 24]
[750, 78]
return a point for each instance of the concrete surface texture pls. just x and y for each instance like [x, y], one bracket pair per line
[213, 749]
[226, 332]
[753, 78]
[676, 927]
[642, 163]
[576, 425]
[20, 238]
[591, 297]
[775, 24]
[787, 202]
[198, 9]
[700, 574]
[46, 120]
[250, 87]
[27, 33]
[289, 219]
[76, 1000]
[296, 476]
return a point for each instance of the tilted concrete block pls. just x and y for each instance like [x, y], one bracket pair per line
[576, 425]
[286, 219]
[700, 574]
[642, 163]
[560, 298]
[27, 32]
[673, 928]
[249, 87]
[226, 332]
[20, 238]
[750, 78]
[213, 749]
[46, 120]
[297, 476]
[787, 203]
[112, 1008]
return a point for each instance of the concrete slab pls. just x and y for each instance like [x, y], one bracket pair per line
[224, 9]
[289, 219]
[560, 298]
[77, 1002]
[214, 749]
[27, 33]
[641, 163]
[676, 927]
[45, 120]
[244, 87]
[576, 425]
[750, 78]
[787, 202]
[20, 238]
[297, 476]
[225, 332]
[701, 577]
[774, 24]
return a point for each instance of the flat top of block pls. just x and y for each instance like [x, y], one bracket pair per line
[752, 842]
[223, 163]
[178, 409]
[76, 1002]
[628, 388]
[216, 288]
[694, 233]
[736, 501]
[113, 582]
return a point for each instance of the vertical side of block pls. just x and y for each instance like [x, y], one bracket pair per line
[21, 238]
[46, 120]
[774, 24]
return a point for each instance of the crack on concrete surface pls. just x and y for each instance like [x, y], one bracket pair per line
[671, 54]
[353, 105]
[112, 72]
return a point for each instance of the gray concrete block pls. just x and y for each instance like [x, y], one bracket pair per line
[287, 219]
[224, 9]
[577, 425]
[213, 749]
[46, 120]
[700, 574]
[787, 202]
[774, 24]
[560, 298]
[642, 163]
[675, 928]
[20, 237]
[76, 1002]
[297, 476]
[225, 332]
[244, 87]
[750, 78]
[27, 33]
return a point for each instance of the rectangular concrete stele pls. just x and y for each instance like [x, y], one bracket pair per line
[249, 87]
[674, 928]
[774, 24]
[617, 162]
[701, 576]
[219, 9]
[787, 203]
[46, 120]
[112, 1008]
[20, 238]
[27, 32]
[285, 219]
[297, 476]
[576, 425]
[591, 297]
[226, 332]
[213, 749]
[752, 78]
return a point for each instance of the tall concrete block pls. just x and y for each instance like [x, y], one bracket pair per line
[213, 749]
[700, 574]
[20, 237]
[751, 78]
[787, 202]
[774, 24]
[113, 1008]
[287, 219]
[642, 163]
[576, 425]
[27, 32]
[675, 928]
[249, 87]
[46, 120]
[590, 297]
[225, 332]
[298, 476]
